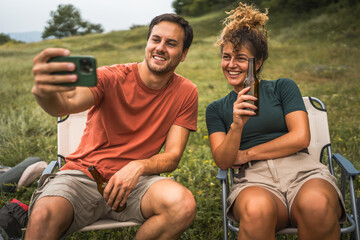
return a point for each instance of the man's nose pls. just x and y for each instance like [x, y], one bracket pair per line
[160, 47]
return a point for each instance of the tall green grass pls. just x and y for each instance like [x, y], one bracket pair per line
[320, 54]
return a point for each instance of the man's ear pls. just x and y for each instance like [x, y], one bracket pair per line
[184, 55]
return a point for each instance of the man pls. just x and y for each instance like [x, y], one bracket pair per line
[134, 109]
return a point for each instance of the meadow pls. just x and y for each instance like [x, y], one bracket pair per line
[320, 53]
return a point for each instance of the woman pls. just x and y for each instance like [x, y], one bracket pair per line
[283, 184]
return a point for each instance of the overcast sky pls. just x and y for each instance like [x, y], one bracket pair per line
[32, 15]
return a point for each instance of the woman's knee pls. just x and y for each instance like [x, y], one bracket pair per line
[315, 206]
[254, 209]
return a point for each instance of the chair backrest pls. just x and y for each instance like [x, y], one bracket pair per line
[319, 129]
[70, 130]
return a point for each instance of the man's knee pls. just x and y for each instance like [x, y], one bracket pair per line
[181, 203]
[188, 206]
[41, 214]
[171, 200]
[178, 202]
[51, 212]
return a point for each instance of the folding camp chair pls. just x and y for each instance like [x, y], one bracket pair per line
[320, 141]
[70, 130]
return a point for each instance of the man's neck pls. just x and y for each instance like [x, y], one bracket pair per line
[153, 80]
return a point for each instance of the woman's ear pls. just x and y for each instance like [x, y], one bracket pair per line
[259, 64]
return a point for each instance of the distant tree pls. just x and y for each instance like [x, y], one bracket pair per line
[4, 38]
[199, 7]
[66, 21]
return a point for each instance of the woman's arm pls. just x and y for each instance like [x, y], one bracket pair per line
[224, 146]
[295, 140]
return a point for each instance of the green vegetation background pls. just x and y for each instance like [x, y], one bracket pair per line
[319, 50]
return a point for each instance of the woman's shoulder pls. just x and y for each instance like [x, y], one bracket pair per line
[229, 97]
[278, 84]
[222, 102]
[277, 81]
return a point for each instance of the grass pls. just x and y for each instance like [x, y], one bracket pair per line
[320, 53]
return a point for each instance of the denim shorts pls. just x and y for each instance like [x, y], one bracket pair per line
[284, 178]
[88, 204]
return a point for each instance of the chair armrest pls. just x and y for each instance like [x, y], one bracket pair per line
[50, 168]
[222, 174]
[345, 165]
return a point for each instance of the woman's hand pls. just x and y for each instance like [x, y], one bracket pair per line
[241, 159]
[240, 112]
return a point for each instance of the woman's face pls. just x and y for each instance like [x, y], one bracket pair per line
[235, 64]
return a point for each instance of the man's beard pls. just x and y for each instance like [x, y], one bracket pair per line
[159, 69]
[169, 67]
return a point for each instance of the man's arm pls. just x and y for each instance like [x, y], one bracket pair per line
[55, 99]
[121, 183]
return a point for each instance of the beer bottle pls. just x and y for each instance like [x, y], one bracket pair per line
[252, 81]
[101, 184]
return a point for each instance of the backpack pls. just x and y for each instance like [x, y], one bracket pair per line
[13, 217]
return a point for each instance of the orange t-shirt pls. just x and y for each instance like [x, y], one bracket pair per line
[130, 121]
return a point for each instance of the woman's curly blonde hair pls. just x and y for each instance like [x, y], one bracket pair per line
[245, 26]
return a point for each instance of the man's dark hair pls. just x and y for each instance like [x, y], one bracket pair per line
[172, 17]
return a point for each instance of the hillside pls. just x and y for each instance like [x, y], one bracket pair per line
[318, 50]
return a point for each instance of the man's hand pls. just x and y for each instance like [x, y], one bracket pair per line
[45, 82]
[55, 99]
[122, 183]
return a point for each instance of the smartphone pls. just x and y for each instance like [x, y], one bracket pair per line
[85, 70]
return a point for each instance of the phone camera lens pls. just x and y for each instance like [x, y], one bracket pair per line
[86, 65]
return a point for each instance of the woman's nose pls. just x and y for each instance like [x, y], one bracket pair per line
[232, 63]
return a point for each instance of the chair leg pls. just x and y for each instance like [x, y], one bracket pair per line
[354, 208]
[224, 194]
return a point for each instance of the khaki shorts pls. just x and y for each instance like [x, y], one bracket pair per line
[88, 204]
[283, 177]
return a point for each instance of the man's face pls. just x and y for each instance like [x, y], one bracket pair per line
[163, 51]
